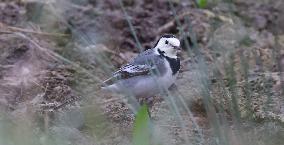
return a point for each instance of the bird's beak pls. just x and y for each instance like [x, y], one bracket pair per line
[177, 48]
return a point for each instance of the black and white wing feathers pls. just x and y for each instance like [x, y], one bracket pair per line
[133, 70]
[128, 71]
[143, 64]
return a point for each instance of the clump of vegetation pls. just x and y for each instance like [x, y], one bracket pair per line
[55, 54]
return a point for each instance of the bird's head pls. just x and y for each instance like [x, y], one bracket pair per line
[168, 45]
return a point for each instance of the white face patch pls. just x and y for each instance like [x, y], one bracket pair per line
[168, 46]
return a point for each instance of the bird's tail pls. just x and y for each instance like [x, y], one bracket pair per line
[111, 88]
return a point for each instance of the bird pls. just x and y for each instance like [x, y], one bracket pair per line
[149, 72]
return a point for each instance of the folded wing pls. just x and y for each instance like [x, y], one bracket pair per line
[128, 71]
[144, 64]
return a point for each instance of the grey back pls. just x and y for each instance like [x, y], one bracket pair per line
[148, 57]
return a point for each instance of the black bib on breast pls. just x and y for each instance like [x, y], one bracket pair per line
[174, 62]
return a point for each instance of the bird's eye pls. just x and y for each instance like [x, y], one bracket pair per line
[166, 42]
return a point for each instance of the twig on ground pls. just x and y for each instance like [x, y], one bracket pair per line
[6, 66]
[56, 56]
[171, 23]
[12, 29]
[112, 100]
[170, 126]
[185, 60]
[67, 102]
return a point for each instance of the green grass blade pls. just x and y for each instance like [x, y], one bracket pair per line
[141, 132]
[202, 3]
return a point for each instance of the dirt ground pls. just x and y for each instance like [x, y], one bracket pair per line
[54, 55]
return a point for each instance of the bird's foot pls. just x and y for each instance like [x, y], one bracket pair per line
[149, 101]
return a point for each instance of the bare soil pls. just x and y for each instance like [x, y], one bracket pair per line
[40, 56]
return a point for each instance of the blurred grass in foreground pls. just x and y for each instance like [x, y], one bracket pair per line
[229, 125]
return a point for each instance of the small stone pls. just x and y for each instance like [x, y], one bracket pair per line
[128, 2]
[260, 22]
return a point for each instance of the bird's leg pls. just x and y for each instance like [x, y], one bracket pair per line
[133, 103]
[173, 88]
[149, 112]
[149, 101]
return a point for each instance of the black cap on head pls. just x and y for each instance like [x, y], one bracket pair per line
[165, 36]
[168, 36]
